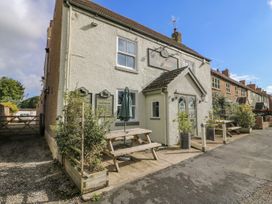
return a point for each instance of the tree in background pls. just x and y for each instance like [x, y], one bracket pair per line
[11, 90]
[30, 102]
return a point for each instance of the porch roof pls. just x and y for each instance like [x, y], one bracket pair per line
[167, 77]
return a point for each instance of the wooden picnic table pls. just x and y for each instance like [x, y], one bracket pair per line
[134, 134]
[227, 128]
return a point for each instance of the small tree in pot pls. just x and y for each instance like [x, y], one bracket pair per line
[185, 128]
[245, 118]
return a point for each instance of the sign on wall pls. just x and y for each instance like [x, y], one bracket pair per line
[162, 60]
[105, 103]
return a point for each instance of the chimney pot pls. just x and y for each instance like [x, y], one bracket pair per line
[177, 36]
[226, 72]
[243, 82]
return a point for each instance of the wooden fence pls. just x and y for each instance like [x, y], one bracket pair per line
[19, 125]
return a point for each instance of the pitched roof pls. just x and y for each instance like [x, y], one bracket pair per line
[163, 80]
[133, 25]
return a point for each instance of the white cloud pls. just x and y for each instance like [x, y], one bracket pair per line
[248, 78]
[269, 89]
[23, 26]
[270, 3]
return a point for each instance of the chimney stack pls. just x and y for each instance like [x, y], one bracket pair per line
[177, 36]
[252, 86]
[259, 89]
[243, 82]
[226, 72]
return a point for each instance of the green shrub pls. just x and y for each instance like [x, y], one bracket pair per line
[69, 132]
[12, 106]
[244, 116]
[184, 124]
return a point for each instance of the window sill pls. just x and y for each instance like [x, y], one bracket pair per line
[124, 69]
[155, 118]
[129, 123]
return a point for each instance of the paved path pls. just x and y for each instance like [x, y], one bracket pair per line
[240, 172]
[29, 175]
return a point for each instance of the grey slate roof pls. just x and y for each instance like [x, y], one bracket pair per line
[164, 79]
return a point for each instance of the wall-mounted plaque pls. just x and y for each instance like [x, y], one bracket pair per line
[86, 94]
[162, 60]
[104, 102]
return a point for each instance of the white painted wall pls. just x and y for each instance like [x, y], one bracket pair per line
[92, 64]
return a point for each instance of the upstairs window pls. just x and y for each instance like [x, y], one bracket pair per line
[236, 91]
[215, 83]
[126, 55]
[228, 88]
[155, 109]
[243, 92]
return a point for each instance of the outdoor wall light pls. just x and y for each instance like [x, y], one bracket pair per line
[93, 24]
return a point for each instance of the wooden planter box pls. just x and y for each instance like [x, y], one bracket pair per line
[245, 130]
[89, 182]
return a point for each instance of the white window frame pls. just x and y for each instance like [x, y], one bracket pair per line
[127, 54]
[228, 88]
[215, 82]
[136, 104]
[152, 116]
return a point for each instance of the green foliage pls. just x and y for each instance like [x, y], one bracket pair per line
[11, 90]
[12, 106]
[30, 102]
[69, 132]
[219, 106]
[244, 116]
[212, 120]
[184, 124]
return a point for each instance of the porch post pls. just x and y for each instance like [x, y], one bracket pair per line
[224, 131]
[204, 143]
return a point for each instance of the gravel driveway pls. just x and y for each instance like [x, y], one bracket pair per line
[29, 175]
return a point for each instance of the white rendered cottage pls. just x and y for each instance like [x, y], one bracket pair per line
[101, 52]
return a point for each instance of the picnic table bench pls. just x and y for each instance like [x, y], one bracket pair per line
[227, 128]
[133, 134]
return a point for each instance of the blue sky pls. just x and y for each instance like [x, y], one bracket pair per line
[234, 34]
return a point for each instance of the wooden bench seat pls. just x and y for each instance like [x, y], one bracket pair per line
[234, 128]
[129, 150]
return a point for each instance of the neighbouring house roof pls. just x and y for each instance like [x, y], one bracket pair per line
[133, 25]
[228, 79]
[167, 77]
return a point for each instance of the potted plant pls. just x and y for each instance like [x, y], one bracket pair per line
[245, 118]
[80, 139]
[185, 128]
[210, 128]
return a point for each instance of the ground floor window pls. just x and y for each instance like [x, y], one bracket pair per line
[155, 109]
[133, 95]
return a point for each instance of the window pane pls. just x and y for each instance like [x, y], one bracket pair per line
[130, 61]
[120, 97]
[121, 45]
[155, 109]
[131, 48]
[118, 111]
[132, 95]
[121, 59]
[133, 112]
